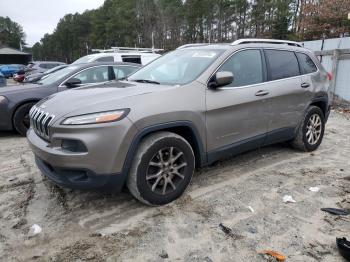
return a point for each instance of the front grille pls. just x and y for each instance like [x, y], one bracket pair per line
[40, 121]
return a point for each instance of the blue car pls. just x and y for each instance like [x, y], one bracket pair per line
[10, 70]
[2, 80]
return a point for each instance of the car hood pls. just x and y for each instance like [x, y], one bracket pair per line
[18, 88]
[98, 98]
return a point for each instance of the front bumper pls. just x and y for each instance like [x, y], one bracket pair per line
[81, 179]
[100, 163]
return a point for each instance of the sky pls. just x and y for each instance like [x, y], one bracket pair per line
[38, 17]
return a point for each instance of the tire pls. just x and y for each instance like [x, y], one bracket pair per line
[149, 175]
[21, 118]
[307, 129]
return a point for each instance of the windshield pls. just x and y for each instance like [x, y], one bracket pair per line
[56, 76]
[177, 68]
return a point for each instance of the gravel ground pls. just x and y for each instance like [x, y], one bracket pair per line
[78, 226]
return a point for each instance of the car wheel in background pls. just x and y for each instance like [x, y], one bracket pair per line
[162, 169]
[311, 130]
[21, 118]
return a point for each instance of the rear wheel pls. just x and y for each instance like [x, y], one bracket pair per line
[21, 120]
[311, 130]
[162, 169]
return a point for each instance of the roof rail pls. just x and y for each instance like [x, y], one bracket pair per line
[267, 41]
[128, 49]
[192, 45]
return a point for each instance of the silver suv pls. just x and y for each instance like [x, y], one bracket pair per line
[187, 109]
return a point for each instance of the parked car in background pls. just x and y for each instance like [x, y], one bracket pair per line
[42, 66]
[18, 77]
[32, 78]
[2, 80]
[141, 56]
[187, 109]
[9, 70]
[16, 101]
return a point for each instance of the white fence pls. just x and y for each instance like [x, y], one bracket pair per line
[335, 57]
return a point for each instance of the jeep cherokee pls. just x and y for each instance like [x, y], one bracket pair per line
[187, 109]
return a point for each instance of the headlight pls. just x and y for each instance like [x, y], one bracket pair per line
[2, 98]
[96, 118]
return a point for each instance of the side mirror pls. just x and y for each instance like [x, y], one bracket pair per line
[73, 82]
[221, 79]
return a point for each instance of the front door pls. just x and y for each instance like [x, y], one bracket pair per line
[237, 115]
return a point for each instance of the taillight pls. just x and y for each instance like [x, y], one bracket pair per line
[330, 76]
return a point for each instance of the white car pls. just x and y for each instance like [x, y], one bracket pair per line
[141, 56]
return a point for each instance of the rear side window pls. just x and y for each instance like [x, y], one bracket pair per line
[132, 59]
[282, 64]
[246, 67]
[123, 71]
[307, 66]
[105, 59]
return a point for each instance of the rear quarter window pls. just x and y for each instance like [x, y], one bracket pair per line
[105, 59]
[307, 66]
[281, 64]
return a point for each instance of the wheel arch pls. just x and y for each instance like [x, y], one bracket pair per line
[185, 129]
[18, 106]
[21, 104]
[322, 103]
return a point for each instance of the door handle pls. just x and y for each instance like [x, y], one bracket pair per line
[262, 93]
[305, 85]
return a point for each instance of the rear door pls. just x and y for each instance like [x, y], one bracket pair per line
[287, 97]
[308, 70]
[237, 115]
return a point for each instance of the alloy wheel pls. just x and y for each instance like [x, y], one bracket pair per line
[166, 170]
[314, 129]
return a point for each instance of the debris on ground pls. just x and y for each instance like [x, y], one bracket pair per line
[251, 209]
[288, 199]
[336, 211]
[164, 254]
[276, 255]
[314, 189]
[344, 247]
[34, 230]
[229, 232]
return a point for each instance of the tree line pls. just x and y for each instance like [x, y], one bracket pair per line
[175, 22]
[11, 33]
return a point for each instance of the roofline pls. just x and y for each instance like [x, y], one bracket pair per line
[266, 41]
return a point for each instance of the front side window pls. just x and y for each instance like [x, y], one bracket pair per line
[246, 67]
[93, 75]
[307, 66]
[179, 67]
[282, 64]
[121, 72]
[58, 75]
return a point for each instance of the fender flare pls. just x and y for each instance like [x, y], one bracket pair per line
[159, 127]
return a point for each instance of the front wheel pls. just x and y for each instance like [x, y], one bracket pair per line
[162, 169]
[311, 130]
[21, 120]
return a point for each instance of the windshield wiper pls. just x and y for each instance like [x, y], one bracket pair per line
[146, 81]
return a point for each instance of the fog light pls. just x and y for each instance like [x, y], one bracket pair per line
[75, 146]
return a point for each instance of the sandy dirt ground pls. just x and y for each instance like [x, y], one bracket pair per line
[87, 226]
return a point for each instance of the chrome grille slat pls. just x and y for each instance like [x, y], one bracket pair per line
[41, 121]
